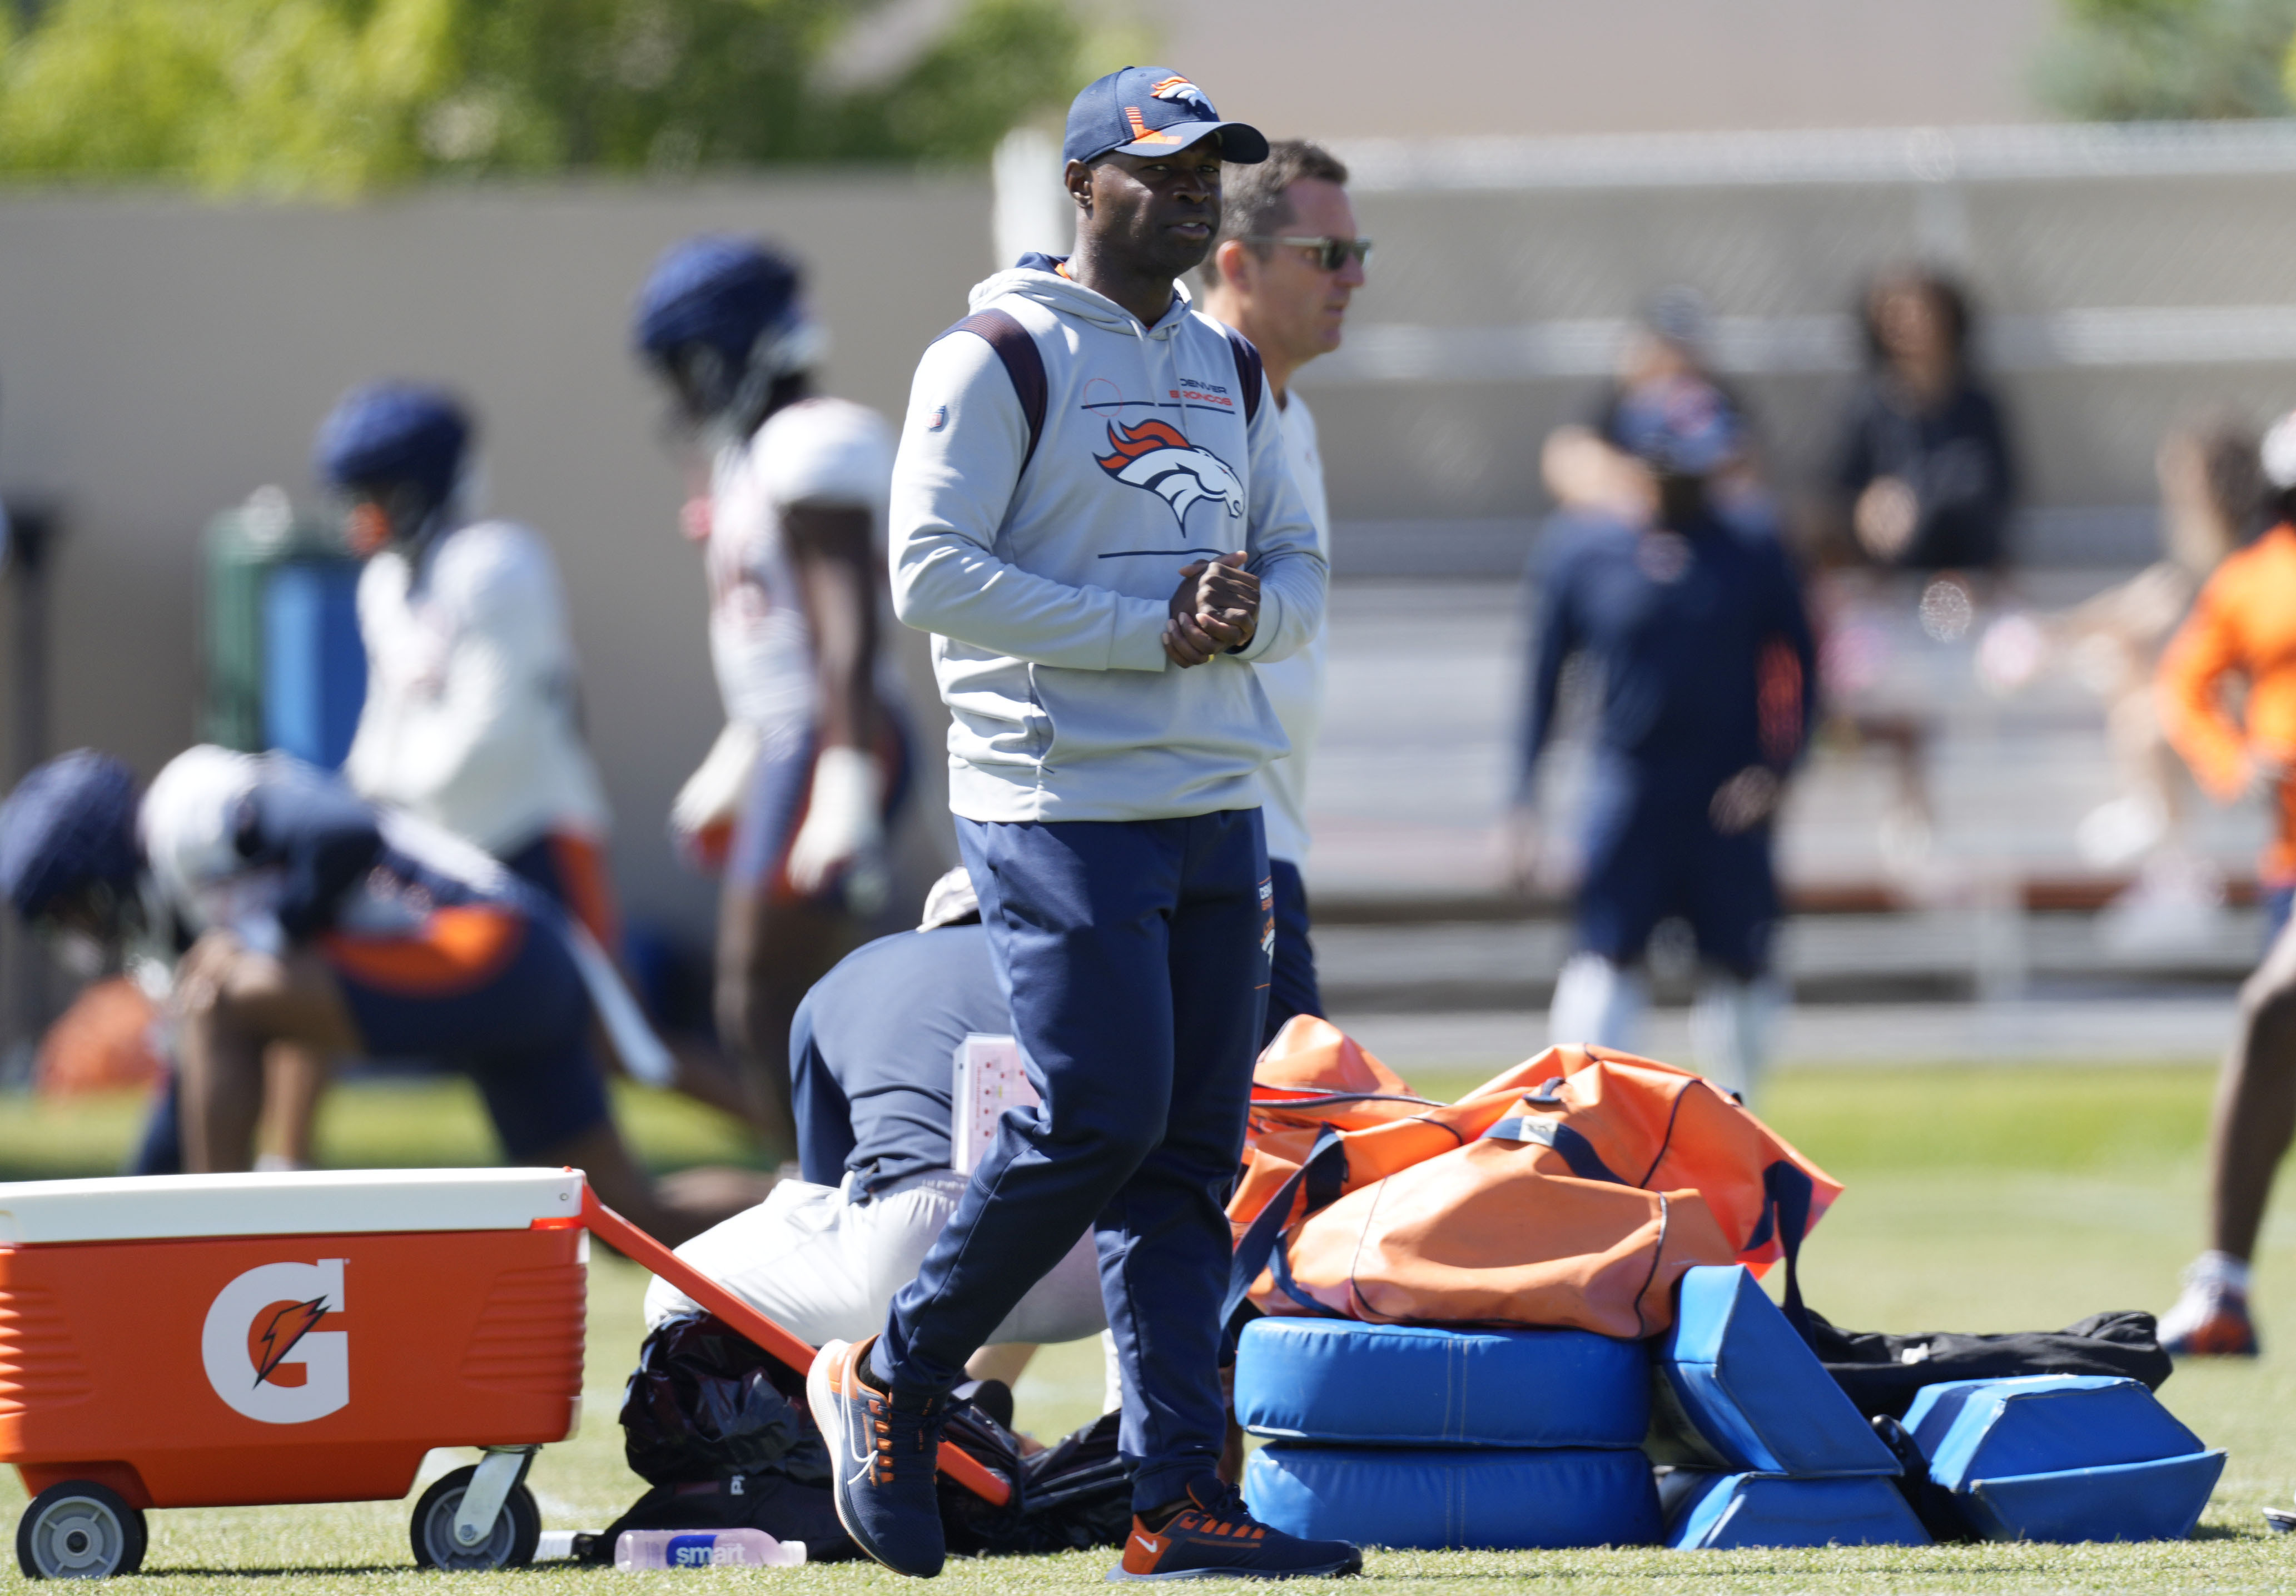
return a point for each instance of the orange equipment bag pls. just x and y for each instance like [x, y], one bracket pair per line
[1573, 1190]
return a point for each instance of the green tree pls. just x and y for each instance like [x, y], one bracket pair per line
[337, 98]
[2123, 61]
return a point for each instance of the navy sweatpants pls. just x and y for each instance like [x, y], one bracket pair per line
[1651, 851]
[1136, 956]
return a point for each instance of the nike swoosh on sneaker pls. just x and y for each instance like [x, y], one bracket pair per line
[1151, 1547]
[846, 1432]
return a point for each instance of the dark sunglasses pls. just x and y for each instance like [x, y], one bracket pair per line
[1331, 253]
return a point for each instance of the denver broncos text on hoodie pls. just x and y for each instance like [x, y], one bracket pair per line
[1046, 585]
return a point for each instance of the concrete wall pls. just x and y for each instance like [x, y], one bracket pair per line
[159, 358]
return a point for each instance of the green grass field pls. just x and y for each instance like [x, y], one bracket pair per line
[1978, 1200]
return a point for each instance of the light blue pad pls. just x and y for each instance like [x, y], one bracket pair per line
[2158, 1501]
[1976, 1429]
[1720, 1512]
[1436, 1498]
[2064, 1457]
[1392, 1384]
[1740, 1393]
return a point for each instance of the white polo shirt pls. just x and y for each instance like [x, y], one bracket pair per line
[1294, 686]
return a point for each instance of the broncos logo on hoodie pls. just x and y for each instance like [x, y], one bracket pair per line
[1155, 456]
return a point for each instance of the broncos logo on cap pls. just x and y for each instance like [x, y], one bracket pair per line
[1155, 456]
[1179, 91]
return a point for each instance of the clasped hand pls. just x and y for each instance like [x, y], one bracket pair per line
[1215, 609]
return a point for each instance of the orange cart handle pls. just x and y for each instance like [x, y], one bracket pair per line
[647, 1253]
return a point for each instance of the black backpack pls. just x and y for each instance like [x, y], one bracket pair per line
[721, 1432]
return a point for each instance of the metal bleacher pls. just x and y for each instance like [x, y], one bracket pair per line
[2130, 278]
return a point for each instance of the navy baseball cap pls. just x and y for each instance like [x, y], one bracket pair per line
[1152, 110]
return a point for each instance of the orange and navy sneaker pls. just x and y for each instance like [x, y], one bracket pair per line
[1213, 1535]
[884, 1450]
[2209, 1320]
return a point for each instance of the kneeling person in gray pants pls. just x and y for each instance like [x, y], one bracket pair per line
[872, 1057]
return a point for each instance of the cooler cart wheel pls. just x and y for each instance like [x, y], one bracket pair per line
[510, 1544]
[79, 1530]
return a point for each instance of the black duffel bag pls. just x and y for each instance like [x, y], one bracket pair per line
[1882, 1373]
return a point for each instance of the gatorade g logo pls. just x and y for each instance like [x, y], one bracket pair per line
[265, 1356]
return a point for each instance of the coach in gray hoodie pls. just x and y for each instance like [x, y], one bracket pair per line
[1093, 514]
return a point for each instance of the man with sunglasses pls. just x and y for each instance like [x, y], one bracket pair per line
[1287, 262]
[1094, 516]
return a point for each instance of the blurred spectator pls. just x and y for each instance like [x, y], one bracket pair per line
[1924, 462]
[793, 799]
[2211, 495]
[275, 907]
[2242, 633]
[1285, 265]
[1693, 619]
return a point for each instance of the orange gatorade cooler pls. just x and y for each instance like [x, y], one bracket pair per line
[219, 1339]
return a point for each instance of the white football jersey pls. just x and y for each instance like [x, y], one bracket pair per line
[821, 451]
[470, 719]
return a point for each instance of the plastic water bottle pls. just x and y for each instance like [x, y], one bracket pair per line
[636, 1550]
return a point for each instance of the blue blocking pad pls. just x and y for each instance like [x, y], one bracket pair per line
[2158, 1501]
[1979, 1429]
[1392, 1384]
[1431, 1499]
[2064, 1458]
[1740, 1392]
[1720, 1512]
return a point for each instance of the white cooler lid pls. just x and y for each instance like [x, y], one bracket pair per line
[307, 1202]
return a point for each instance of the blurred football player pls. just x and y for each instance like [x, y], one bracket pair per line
[794, 798]
[470, 719]
[2242, 633]
[275, 905]
[473, 717]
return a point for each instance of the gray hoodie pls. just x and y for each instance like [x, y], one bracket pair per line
[1046, 587]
